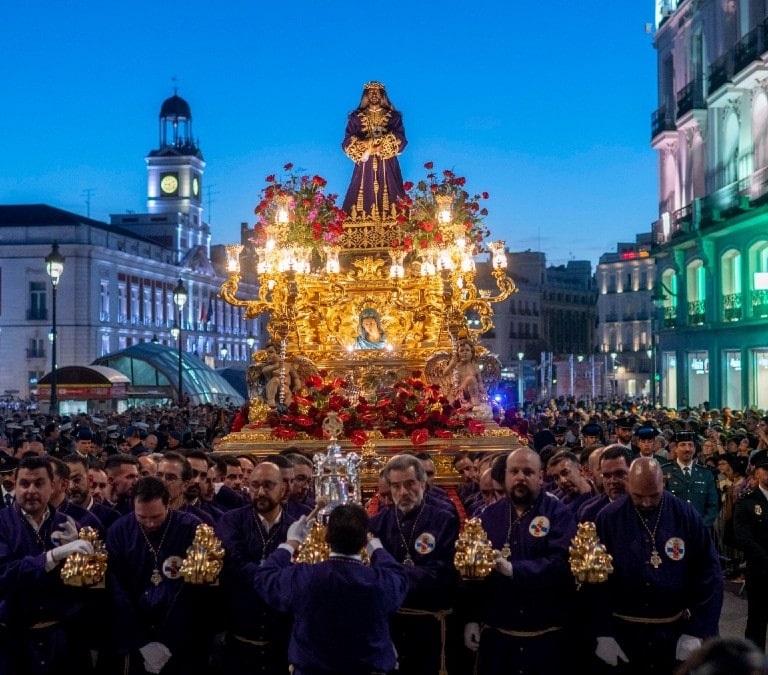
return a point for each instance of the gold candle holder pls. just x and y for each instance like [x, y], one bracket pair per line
[204, 557]
[474, 557]
[590, 562]
[86, 570]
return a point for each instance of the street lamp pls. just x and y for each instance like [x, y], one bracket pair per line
[54, 267]
[615, 387]
[223, 354]
[520, 389]
[250, 341]
[659, 299]
[180, 299]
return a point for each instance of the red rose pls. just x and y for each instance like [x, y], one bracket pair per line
[485, 195]
[419, 436]
[271, 178]
[288, 166]
[475, 427]
[304, 420]
[336, 403]
[358, 437]
[407, 186]
[429, 165]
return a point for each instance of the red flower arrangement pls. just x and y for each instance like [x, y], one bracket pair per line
[314, 220]
[409, 409]
[420, 227]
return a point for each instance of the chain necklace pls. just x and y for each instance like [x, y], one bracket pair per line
[265, 540]
[655, 559]
[506, 550]
[36, 532]
[408, 561]
[156, 577]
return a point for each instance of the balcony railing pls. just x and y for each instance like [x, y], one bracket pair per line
[720, 72]
[670, 316]
[732, 309]
[662, 119]
[760, 304]
[691, 97]
[696, 313]
[747, 49]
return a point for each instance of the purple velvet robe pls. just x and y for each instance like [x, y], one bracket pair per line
[376, 182]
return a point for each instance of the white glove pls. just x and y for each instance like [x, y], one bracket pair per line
[65, 550]
[608, 651]
[373, 545]
[299, 530]
[503, 566]
[156, 655]
[686, 645]
[472, 636]
[65, 533]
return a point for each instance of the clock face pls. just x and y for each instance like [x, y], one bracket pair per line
[195, 186]
[169, 184]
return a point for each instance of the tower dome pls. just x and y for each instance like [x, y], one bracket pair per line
[177, 107]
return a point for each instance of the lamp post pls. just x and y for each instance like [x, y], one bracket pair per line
[520, 387]
[54, 267]
[659, 299]
[223, 354]
[614, 383]
[180, 299]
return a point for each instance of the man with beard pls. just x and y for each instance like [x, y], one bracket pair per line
[690, 481]
[422, 537]
[526, 604]
[257, 635]
[303, 474]
[565, 469]
[59, 500]
[665, 593]
[98, 484]
[79, 491]
[41, 620]
[155, 614]
[199, 491]
[122, 473]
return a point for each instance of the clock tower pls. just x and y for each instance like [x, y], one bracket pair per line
[175, 169]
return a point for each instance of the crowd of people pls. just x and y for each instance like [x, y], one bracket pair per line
[680, 501]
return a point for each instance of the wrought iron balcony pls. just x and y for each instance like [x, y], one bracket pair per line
[662, 119]
[747, 49]
[760, 304]
[732, 309]
[691, 97]
[670, 317]
[696, 313]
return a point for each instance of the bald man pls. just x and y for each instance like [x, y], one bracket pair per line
[665, 593]
[526, 604]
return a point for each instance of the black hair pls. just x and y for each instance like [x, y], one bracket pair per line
[347, 529]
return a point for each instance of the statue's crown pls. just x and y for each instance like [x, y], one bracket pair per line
[373, 84]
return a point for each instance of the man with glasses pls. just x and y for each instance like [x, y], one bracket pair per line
[257, 636]
[303, 475]
[614, 468]
[176, 472]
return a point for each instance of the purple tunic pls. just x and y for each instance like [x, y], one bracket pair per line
[376, 181]
[429, 537]
[247, 546]
[167, 612]
[370, 595]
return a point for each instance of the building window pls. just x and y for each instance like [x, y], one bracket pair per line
[122, 303]
[38, 308]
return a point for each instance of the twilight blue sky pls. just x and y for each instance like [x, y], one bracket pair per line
[544, 105]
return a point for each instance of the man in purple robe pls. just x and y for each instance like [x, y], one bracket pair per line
[156, 618]
[519, 616]
[41, 618]
[373, 139]
[370, 594]
[665, 593]
[257, 635]
[422, 537]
